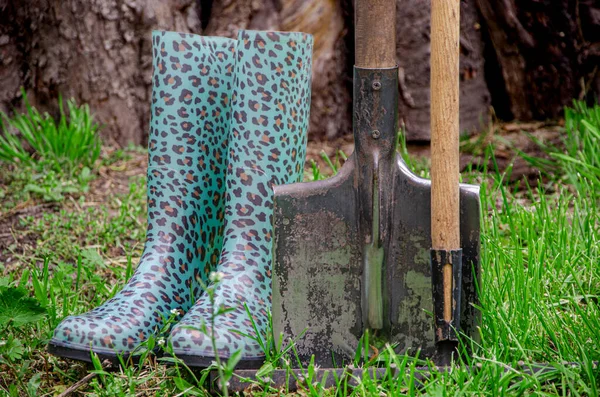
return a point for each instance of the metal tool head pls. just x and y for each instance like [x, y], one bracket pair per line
[352, 253]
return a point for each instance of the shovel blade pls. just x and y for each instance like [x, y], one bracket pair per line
[318, 278]
[408, 277]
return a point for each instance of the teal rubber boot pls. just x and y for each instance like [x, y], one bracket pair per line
[190, 122]
[270, 107]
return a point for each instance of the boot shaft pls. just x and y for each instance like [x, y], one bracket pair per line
[191, 102]
[267, 146]
[271, 103]
[190, 121]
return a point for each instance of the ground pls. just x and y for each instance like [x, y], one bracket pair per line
[540, 302]
[114, 179]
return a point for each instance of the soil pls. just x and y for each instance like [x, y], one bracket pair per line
[114, 180]
[507, 138]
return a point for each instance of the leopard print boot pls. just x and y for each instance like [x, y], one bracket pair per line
[270, 107]
[190, 123]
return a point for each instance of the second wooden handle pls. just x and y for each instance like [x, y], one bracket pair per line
[445, 216]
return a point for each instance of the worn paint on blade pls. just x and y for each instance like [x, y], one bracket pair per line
[414, 310]
[421, 256]
[323, 277]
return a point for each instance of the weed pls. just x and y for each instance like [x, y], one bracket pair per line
[57, 156]
[62, 146]
[539, 292]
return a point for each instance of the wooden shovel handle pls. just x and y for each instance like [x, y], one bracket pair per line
[445, 215]
[375, 33]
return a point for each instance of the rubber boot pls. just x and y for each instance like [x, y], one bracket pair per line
[190, 122]
[271, 101]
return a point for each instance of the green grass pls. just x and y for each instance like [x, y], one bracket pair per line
[576, 162]
[539, 289]
[61, 145]
[53, 157]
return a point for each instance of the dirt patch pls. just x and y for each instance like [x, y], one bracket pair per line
[15, 239]
[507, 139]
[114, 179]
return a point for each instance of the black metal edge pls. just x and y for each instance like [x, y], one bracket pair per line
[201, 362]
[446, 330]
[294, 379]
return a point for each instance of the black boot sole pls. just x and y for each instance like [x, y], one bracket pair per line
[114, 359]
[85, 355]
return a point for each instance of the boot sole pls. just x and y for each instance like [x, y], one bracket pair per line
[84, 355]
[189, 360]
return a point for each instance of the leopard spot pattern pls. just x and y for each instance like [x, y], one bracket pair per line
[190, 122]
[267, 146]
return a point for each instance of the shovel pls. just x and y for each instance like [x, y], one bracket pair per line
[375, 248]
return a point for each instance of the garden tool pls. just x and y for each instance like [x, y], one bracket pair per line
[352, 253]
[267, 146]
[191, 92]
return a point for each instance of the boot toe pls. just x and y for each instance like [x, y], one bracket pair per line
[104, 335]
[194, 345]
[83, 333]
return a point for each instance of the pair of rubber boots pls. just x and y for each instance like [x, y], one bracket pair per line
[229, 121]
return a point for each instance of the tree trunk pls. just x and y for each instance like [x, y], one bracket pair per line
[539, 55]
[330, 112]
[98, 52]
[547, 53]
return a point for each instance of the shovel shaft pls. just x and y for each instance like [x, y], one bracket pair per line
[445, 215]
[375, 33]
[445, 212]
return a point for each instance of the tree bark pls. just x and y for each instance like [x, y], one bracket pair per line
[326, 20]
[11, 58]
[539, 54]
[547, 52]
[98, 52]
